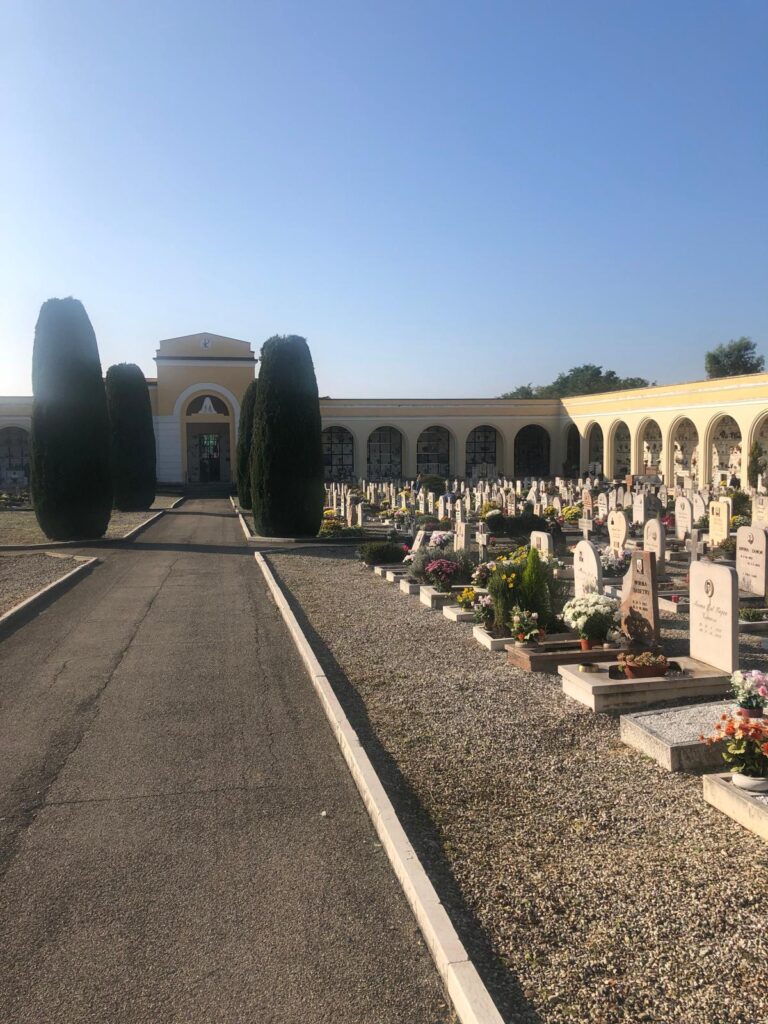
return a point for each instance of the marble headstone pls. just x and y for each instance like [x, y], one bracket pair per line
[587, 569]
[752, 560]
[714, 596]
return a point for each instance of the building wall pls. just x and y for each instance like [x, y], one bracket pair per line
[662, 426]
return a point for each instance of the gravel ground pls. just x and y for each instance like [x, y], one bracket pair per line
[21, 576]
[606, 890]
[22, 528]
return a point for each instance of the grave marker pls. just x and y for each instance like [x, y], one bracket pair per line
[714, 597]
[587, 569]
[542, 541]
[752, 559]
[719, 522]
[655, 540]
[640, 599]
[618, 530]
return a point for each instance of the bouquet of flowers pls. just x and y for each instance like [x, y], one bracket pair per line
[441, 539]
[441, 573]
[614, 563]
[482, 573]
[593, 616]
[750, 689]
[525, 625]
[466, 598]
[484, 611]
[746, 744]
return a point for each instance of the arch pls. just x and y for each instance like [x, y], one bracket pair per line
[621, 445]
[723, 449]
[759, 435]
[684, 444]
[433, 451]
[595, 447]
[208, 426]
[650, 446]
[482, 452]
[532, 445]
[338, 454]
[14, 457]
[385, 454]
[572, 451]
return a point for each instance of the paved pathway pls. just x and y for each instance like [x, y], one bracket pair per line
[163, 768]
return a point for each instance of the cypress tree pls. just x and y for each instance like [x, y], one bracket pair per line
[132, 438]
[244, 438]
[71, 483]
[287, 489]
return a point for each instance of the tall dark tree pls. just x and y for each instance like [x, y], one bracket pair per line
[587, 379]
[71, 481]
[244, 438]
[733, 359]
[132, 438]
[287, 488]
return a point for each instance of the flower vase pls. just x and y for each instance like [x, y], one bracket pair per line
[586, 645]
[751, 712]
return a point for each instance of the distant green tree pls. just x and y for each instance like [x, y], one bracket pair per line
[244, 439]
[587, 379]
[132, 438]
[287, 490]
[71, 479]
[734, 359]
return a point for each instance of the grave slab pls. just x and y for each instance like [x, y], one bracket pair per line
[491, 643]
[457, 614]
[601, 693]
[671, 735]
[395, 575]
[433, 598]
[748, 809]
[406, 587]
[550, 657]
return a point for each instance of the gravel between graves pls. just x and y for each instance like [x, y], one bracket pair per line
[21, 576]
[608, 890]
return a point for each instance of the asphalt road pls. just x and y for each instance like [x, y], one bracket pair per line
[164, 769]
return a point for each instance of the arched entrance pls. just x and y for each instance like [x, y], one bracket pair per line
[595, 449]
[14, 457]
[531, 452]
[572, 451]
[622, 450]
[338, 454]
[385, 454]
[685, 445]
[433, 452]
[208, 434]
[761, 437]
[651, 448]
[725, 450]
[482, 453]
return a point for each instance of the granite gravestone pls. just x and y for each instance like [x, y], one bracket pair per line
[640, 600]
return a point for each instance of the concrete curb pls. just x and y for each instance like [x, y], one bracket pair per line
[31, 605]
[96, 541]
[471, 1000]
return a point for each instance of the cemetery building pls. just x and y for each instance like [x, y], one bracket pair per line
[696, 433]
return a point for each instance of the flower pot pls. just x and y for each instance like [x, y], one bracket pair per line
[644, 671]
[751, 712]
[586, 645]
[749, 783]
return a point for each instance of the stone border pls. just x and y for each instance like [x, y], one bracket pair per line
[30, 606]
[96, 541]
[637, 731]
[738, 804]
[471, 999]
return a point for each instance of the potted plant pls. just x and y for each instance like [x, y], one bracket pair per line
[466, 598]
[441, 573]
[746, 749]
[750, 691]
[593, 617]
[643, 666]
[525, 627]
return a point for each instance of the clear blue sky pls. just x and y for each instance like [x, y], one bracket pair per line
[445, 199]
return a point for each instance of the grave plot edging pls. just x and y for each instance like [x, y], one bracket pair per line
[471, 999]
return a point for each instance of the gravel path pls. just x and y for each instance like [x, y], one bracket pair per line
[609, 890]
[21, 576]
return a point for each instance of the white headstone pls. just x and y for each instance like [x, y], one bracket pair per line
[542, 541]
[683, 517]
[714, 596]
[719, 522]
[587, 569]
[655, 540]
[752, 559]
[618, 530]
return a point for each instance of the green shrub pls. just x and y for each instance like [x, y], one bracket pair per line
[435, 484]
[132, 438]
[755, 463]
[534, 589]
[424, 556]
[244, 440]
[287, 489]
[753, 614]
[741, 503]
[71, 479]
[377, 552]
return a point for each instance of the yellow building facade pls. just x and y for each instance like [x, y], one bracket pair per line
[696, 433]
